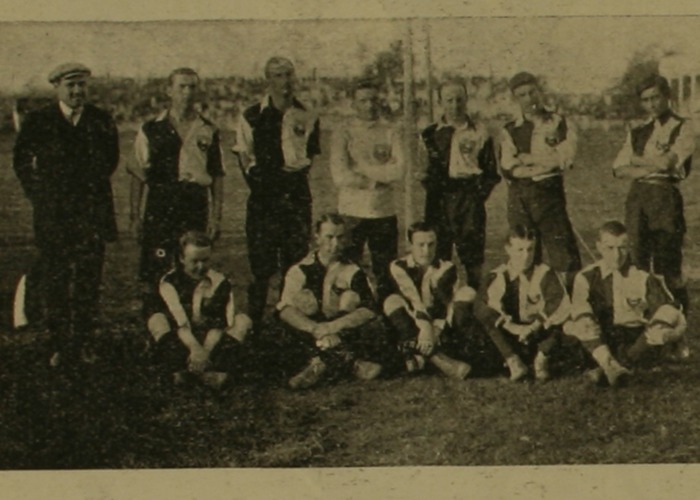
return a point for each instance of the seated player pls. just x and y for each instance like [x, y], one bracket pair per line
[619, 312]
[424, 303]
[327, 310]
[196, 331]
[522, 305]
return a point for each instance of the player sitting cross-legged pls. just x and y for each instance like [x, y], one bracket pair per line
[428, 305]
[522, 305]
[620, 312]
[196, 331]
[327, 312]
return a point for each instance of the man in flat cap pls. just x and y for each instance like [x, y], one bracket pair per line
[656, 156]
[277, 139]
[64, 157]
[536, 148]
[177, 157]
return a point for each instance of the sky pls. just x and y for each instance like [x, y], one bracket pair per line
[578, 54]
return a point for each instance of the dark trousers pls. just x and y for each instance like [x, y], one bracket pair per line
[464, 339]
[171, 210]
[278, 233]
[541, 205]
[70, 278]
[382, 238]
[171, 355]
[656, 228]
[459, 215]
[295, 348]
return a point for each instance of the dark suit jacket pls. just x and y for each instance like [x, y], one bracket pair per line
[65, 171]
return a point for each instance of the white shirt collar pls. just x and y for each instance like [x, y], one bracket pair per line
[68, 112]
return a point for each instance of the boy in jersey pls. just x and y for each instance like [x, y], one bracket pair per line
[656, 157]
[428, 308]
[197, 332]
[523, 305]
[536, 149]
[178, 165]
[367, 165]
[619, 311]
[461, 172]
[327, 310]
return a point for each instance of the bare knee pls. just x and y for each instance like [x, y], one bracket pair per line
[465, 294]
[242, 325]
[305, 302]
[393, 303]
[349, 301]
[158, 325]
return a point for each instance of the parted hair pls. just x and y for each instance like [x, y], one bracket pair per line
[521, 232]
[194, 238]
[277, 60]
[181, 71]
[333, 218]
[454, 81]
[419, 227]
[657, 81]
[612, 227]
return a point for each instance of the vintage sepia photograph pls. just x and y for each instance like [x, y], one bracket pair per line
[301, 243]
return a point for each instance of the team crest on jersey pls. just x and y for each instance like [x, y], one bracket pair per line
[382, 152]
[534, 299]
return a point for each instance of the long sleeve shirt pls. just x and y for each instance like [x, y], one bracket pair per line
[366, 166]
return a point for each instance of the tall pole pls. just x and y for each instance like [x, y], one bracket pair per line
[428, 71]
[409, 122]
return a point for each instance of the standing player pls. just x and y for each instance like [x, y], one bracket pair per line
[428, 307]
[523, 305]
[328, 312]
[461, 173]
[64, 157]
[366, 164]
[177, 157]
[276, 141]
[536, 148]
[195, 328]
[619, 311]
[656, 156]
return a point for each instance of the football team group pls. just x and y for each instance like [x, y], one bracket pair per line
[416, 313]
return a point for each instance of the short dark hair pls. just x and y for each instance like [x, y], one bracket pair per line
[612, 227]
[419, 227]
[457, 82]
[333, 218]
[657, 81]
[276, 60]
[522, 78]
[521, 232]
[194, 238]
[364, 84]
[181, 71]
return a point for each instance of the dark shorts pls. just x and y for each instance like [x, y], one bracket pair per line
[656, 228]
[171, 210]
[278, 231]
[542, 206]
[459, 215]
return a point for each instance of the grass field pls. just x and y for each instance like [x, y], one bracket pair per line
[116, 416]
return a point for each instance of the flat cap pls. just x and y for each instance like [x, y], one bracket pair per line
[522, 78]
[68, 70]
